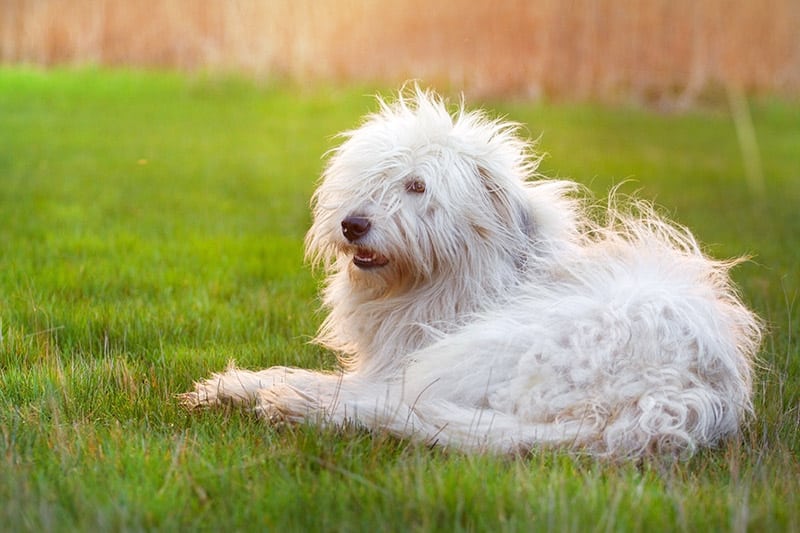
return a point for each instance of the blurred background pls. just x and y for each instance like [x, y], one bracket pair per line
[670, 52]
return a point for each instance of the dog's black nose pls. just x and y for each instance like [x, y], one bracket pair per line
[354, 228]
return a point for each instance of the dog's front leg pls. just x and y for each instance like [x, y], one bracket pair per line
[331, 399]
[316, 397]
[237, 386]
[282, 394]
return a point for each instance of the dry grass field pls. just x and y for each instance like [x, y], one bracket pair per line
[668, 51]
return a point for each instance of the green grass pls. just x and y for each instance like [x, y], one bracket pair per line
[151, 229]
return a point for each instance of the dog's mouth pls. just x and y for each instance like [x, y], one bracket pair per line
[365, 258]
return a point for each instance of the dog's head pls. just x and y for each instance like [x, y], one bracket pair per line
[420, 193]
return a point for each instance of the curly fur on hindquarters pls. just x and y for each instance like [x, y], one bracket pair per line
[483, 311]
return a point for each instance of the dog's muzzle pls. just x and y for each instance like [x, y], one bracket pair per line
[353, 228]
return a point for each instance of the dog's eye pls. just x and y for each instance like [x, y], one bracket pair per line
[416, 186]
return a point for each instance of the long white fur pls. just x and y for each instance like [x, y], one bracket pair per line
[505, 318]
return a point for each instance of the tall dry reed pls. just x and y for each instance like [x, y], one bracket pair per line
[563, 48]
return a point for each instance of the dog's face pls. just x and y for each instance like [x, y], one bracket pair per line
[415, 192]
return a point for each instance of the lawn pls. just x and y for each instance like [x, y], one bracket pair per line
[152, 229]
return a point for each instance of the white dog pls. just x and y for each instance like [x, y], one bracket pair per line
[478, 310]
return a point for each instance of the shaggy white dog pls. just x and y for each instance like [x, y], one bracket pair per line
[478, 310]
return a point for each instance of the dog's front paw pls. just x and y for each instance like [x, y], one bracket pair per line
[191, 401]
[206, 393]
[232, 387]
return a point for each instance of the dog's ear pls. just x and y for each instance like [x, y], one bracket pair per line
[512, 209]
